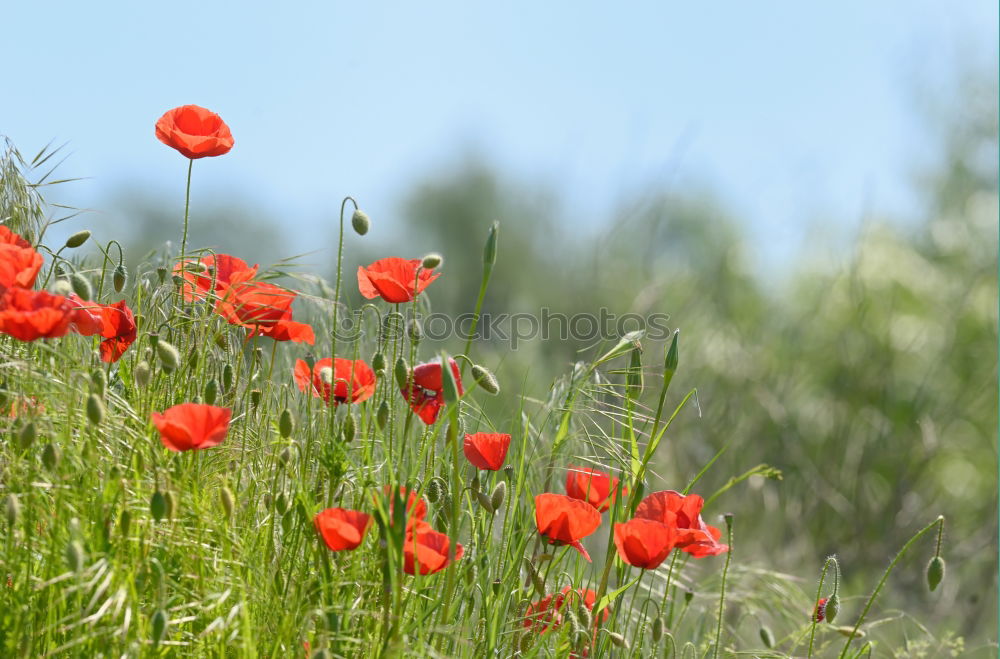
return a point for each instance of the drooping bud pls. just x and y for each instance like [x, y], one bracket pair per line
[360, 222]
[414, 331]
[158, 506]
[688, 596]
[171, 500]
[382, 415]
[657, 629]
[485, 379]
[378, 362]
[76, 557]
[125, 522]
[193, 358]
[401, 371]
[77, 239]
[255, 395]
[935, 572]
[50, 456]
[227, 378]
[26, 437]
[142, 374]
[158, 626]
[832, 607]
[350, 429]
[169, 357]
[13, 510]
[285, 423]
[431, 261]
[536, 580]
[227, 501]
[436, 489]
[285, 456]
[98, 382]
[490, 249]
[767, 637]
[81, 286]
[281, 503]
[484, 501]
[95, 409]
[161, 274]
[449, 387]
[119, 278]
[62, 287]
[211, 391]
[499, 493]
[618, 640]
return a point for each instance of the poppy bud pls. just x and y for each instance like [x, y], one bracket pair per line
[196, 399]
[285, 423]
[508, 472]
[633, 377]
[431, 261]
[227, 377]
[158, 626]
[767, 637]
[402, 372]
[536, 580]
[75, 556]
[255, 395]
[688, 596]
[474, 483]
[281, 503]
[171, 500]
[378, 362]
[449, 388]
[436, 489]
[50, 456]
[832, 607]
[142, 374]
[169, 357]
[485, 379]
[485, 502]
[226, 498]
[95, 409]
[618, 640]
[382, 415]
[285, 456]
[349, 430]
[935, 572]
[13, 510]
[414, 331]
[119, 278]
[158, 506]
[499, 493]
[27, 436]
[658, 629]
[161, 274]
[490, 250]
[62, 287]
[77, 239]
[125, 522]
[211, 391]
[98, 382]
[497, 585]
[670, 364]
[193, 359]
[360, 222]
[470, 575]
[81, 286]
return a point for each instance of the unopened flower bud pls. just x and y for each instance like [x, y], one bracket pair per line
[95, 409]
[26, 437]
[81, 286]
[767, 637]
[161, 274]
[192, 360]
[169, 357]
[285, 456]
[77, 239]
[414, 331]
[119, 278]
[142, 373]
[285, 423]
[50, 456]
[227, 501]
[832, 607]
[490, 249]
[436, 489]
[158, 626]
[382, 415]
[171, 500]
[360, 222]
[62, 287]
[158, 505]
[431, 261]
[125, 522]
[76, 557]
[98, 381]
[255, 395]
[658, 629]
[935, 572]
[227, 377]
[499, 492]
[485, 379]
[211, 391]
[281, 503]
[484, 501]
[13, 510]
[401, 371]
[378, 362]
[618, 640]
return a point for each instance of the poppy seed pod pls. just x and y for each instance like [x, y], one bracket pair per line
[142, 373]
[161, 274]
[77, 239]
[76, 557]
[485, 379]
[81, 286]
[285, 423]
[169, 357]
[431, 261]
[51, 456]
[382, 415]
[95, 409]
[935, 572]
[13, 510]
[360, 221]
[119, 278]
[158, 505]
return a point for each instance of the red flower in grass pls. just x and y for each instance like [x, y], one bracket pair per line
[194, 131]
[427, 550]
[8, 237]
[118, 329]
[28, 315]
[264, 308]
[545, 612]
[595, 487]
[395, 280]
[487, 450]
[694, 535]
[819, 615]
[225, 269]
[191, 426]
[416, 507]
[19, 265]
[341, 528]
[644, 543]
[565, 520]
[426, 394]
[347, 380]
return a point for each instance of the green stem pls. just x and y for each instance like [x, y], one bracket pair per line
[187, 208]
[819, 593]
[722, 596]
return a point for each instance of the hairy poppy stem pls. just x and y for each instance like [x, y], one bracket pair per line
[939, 522]
[819, 593]
[187, 209]
[722, 595]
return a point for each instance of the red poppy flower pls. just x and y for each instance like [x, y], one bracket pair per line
[565, 520]
[28, 315]
[349, 381]
[427, 549]
[395, 280]
[487, 450]
[416, 507]
[28, 405]
[8, 237]
[118, 329]
[264, 308]
[191, 426]
[19, 265]
[194, 131]
[287, 329]
[694, 535]
[227, 271]
[595, 487]
[342, 528]
[644, 543]
[819, 614]
[545, 611]
[87, 317]
[426, 397]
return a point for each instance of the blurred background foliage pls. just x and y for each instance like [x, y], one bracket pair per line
[866, 372]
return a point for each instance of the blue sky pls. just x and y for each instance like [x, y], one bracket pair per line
[792, 111]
